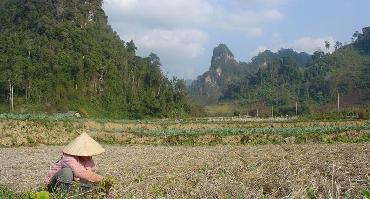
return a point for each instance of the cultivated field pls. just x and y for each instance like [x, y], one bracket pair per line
[198, 131]
[200, 158]
[270, 171]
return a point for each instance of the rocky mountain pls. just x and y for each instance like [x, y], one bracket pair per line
[225, 70]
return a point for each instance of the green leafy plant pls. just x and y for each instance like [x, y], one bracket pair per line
[40, 195]
[106, 185]
[310, 193]
[365, 194]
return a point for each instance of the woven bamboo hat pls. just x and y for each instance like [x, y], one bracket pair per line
[83, 145]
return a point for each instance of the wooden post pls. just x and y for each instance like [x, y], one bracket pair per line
[257, 113]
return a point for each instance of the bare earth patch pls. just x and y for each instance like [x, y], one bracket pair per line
[273, 171]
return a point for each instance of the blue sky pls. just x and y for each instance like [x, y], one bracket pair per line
[184, 32]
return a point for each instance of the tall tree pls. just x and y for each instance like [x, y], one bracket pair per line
[338, 45]
[355, 35]
[327, 45]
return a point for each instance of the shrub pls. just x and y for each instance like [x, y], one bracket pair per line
[365, 194]
[363, 115]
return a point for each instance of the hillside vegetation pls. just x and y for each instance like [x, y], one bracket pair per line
[284, 78]
[62, 55]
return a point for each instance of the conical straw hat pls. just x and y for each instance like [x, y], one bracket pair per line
[83, 145]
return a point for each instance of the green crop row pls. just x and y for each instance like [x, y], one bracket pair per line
[239, 131]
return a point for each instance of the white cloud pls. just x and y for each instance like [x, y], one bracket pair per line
[176, 48]
[159, 13]
[254, 32]
[245, 20]
[311, 44]
[271, 2]
[185, 42]
[177, 30]
[259, 3]
[303, 44]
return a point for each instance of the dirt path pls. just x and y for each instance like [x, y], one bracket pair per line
[217, 171]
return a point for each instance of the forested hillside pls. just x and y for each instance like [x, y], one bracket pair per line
[285, 78]
[62, 55]
[225, 71]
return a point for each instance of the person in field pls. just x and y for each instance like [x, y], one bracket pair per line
[75, 164]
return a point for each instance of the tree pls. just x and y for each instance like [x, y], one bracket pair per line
[362, 40]
[338, 45]
[131, 47]
[317, 55]
[356, 34]
[154, 60]
[327, 45]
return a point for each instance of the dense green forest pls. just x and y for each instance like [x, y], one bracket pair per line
[60, 55]
[286, 77]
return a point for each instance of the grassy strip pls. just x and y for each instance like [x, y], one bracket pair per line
[103, 193]
[8, 193]
[99, 190]
[353, 136]
[242, 131]
[41, 116]
[167, 121]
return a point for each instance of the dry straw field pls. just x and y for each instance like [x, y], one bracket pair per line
[200, 158]
[265, 171]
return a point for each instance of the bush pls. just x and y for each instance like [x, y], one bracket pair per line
[236, 113]
[363, 115]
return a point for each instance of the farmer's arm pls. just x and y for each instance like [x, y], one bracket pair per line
[80, 172]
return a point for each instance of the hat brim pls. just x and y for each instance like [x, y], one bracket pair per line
[83, 145]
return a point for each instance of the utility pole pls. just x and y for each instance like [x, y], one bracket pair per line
[296, 108]
[272, 111]
[338, 102]
[11, 96]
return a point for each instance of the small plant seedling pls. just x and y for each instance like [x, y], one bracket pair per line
[310, 193]
[365, 194]
[107, 184]
[222, 172]
[140, 178]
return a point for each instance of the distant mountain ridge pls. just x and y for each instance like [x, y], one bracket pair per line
[224, 70]
[285, 78]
